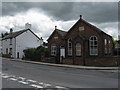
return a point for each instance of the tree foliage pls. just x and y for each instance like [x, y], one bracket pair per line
[35, 53]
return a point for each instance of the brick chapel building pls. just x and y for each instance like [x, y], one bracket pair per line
[83, 44]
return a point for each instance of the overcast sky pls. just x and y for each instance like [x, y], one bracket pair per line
[45, 15]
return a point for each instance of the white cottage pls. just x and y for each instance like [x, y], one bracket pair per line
[16, 42]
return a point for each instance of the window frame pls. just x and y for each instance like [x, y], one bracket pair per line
[53, 50]
[93, 46]
[70, 47]
[78, 49]
[109, 50]
[106, 49]
[10, 41]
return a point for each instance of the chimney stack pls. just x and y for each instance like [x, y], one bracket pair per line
[11, 30]
[27, 26]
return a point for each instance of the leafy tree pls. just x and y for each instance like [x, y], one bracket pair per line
[35, 53]
[29, 53]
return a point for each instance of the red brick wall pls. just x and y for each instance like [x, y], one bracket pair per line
[94, 61]
[83, 38]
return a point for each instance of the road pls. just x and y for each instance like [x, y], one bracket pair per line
[26, 75]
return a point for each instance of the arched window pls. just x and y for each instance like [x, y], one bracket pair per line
[105, 42]
[93, 42]
[53, 50]
[109, 47]
[69, 47]
[78, 49]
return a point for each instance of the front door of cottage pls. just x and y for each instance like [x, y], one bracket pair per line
[62, 53]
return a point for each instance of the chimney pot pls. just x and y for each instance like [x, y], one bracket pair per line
[11, 30]
[80, 16]
[55, 27]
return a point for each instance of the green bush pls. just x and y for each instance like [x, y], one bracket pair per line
[29, 53]
[35, 53]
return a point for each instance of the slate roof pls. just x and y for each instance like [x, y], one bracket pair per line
[62, 33]
[14, 34]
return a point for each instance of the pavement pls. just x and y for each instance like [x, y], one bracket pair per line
[68, 66]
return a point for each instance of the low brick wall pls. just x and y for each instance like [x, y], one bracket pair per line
[94, 61]
[49, 60]
[6, 55]
[102, 61]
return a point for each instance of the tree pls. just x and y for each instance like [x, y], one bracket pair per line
[35, 53]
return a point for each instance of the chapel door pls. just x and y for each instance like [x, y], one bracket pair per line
[62, 53]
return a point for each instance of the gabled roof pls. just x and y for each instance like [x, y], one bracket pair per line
[17, 33]
[60, 32]
[99, 30]
[13, 35]
[92, 26]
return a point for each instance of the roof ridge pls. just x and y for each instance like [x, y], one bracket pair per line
[61, 30]
[14, 34]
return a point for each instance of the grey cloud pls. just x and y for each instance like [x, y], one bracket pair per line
[91, 11]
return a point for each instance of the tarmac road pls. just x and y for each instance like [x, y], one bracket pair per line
[26, 75]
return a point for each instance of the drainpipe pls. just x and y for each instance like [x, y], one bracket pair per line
[15, 49]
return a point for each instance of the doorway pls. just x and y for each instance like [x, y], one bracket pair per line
[18, 55]
[62, 54]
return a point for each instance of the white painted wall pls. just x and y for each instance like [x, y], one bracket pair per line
[26, 40]
[6, 45]
[21, 42]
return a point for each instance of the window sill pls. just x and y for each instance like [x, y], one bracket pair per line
[93, 55]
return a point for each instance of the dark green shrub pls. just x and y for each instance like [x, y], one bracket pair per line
[29, 53]
[35, 53]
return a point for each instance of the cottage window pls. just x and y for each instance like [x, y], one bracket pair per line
[69, 47]
[6, 50]
[10, 41]
[78, 49]
[53, 50]
[10, 51]
[105, 46]
[93, 42]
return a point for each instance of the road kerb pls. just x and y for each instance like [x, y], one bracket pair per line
[68, 66]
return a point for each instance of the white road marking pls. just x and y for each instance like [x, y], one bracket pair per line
[36, 86]
[46, 85]
[5, 76]
[33, 81]
[14, 79]
[21, 78]
[27, 81]
[59, 87]
[23, 82]
[41, 83]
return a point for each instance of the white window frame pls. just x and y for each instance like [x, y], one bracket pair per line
[109, 47]
[10, 41]
[53, 50]
[78, 49]
[92, 46]
[106, 50]
[69, 47]
[10, 51]
[6, 50]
